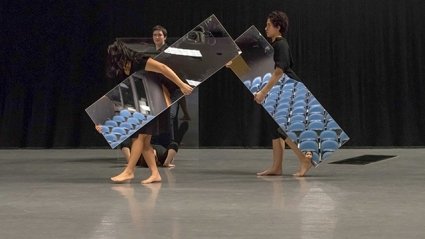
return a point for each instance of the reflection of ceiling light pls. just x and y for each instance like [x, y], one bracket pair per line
[183, 52]
[123, 85]
[145, 107]
[192, 82]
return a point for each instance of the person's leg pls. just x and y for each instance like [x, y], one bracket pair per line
[126, 152]
[136, 151]
[149, 156]
[170, 158]
[278, 146]
[183, 104]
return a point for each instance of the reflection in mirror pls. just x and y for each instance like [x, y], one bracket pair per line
[293, 107]
[143, 96]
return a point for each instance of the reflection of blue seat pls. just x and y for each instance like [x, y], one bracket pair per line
[118, 131]
[127, 125]
[267, 77]
[283, 105]
[316, 109]
[139, 116]
[111, 123]
[286, 94]
[300, 86]
[281, 112]
[247, 83]
[272, 96]
[308, 135]
[299, 111]
[328, 135]
[313, 101]
[275, 89]
[301, 98]
[343, 137]
[269, 108]
[332, 125]
[316, 125]
[104, 129]
[283, 101]
[149, 117]
[307, 146]
[255, 88]
[134, 121]
[256, 81]
[296, 127]
[316, 117]
[299, 103]
[297, 118]
[288, 87]
[118, 118]
[281, 120]
[293, 136]
[268, 102]
[111, 138]
[125, 113]
[329, 146]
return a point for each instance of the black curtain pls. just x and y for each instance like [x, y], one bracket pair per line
[363, 60]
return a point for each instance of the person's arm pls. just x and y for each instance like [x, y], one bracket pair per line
[158, 67]
[261, 95]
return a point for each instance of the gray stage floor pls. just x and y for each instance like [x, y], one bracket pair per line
[212, 193]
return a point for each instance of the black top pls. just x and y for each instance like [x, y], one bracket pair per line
[283, 58]
[162, 48]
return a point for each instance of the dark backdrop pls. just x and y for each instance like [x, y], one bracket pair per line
[363, 59]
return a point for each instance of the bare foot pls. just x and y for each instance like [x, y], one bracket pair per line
[152, 179]
[123, 177]
[169, 165]
[270, 172]
[305, 165]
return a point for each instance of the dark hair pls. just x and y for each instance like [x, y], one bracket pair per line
[160, 28]
[279, 18]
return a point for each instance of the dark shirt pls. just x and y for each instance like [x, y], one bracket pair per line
[283, 58]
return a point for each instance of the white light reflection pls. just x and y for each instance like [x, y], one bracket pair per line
[317, 213]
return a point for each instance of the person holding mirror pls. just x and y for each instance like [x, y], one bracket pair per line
[276, 29]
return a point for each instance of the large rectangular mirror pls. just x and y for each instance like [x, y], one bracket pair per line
[141, 97]
[292, 106]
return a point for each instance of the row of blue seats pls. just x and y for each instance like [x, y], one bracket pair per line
[293, 118]
[123, 125]
[311, 135]
[312, 125]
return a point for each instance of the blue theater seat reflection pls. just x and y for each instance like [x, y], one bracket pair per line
[123, 125]
[301, 116]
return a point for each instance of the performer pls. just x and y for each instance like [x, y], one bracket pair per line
[159, 36]
[141, 140]
[276, 29]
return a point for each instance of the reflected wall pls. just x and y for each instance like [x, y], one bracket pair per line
[141, 97]
[293, 107]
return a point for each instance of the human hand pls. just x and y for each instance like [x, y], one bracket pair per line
[259, 97]
[98, 128]
[186, 89]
